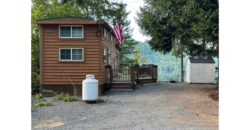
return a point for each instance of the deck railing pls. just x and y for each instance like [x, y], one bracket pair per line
[131, 73]
[121, 74]
[147, 72]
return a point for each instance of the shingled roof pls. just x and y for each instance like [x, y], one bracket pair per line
[201, 60]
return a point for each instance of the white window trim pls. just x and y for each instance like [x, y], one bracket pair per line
[71, 31]
[59, 52]
[111, 38]
[109, 56]
[105, 33]
[105, 54]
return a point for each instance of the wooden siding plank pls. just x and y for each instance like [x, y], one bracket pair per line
[57, 72]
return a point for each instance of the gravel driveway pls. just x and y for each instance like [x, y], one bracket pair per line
[151, 106]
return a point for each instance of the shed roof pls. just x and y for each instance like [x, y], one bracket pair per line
[73, 20]
[201, 60]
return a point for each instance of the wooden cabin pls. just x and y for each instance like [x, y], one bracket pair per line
[71, 48]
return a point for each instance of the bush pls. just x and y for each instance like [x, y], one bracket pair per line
[48, 93]
[59, 96]
[68, 98]
[39, 101]
[65, 98]
[37, 96]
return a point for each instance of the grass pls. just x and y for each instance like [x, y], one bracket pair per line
[59, 97]
[38, 101]
[65, 98]
[37, 96]
[68, 98]
[41, 103]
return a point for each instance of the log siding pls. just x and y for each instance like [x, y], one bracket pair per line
[69, 72]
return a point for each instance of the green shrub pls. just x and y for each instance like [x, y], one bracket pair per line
[59, 96]
[39, 101]
[68, 98]
[38, 96]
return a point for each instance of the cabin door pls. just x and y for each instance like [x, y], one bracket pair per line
[108, 77]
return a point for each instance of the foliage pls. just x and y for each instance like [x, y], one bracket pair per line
[65, 97]
[179, 26]
[59, 97]
[39, 101]
[69, 98]
[171, 22]
[168, 65]
[129, 43]
[141, 59]
[38, 97]
[35, 64]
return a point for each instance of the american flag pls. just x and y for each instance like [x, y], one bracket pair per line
[117, 31]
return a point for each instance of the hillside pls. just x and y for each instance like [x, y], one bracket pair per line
[169, 67]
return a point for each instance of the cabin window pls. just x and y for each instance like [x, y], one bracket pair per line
[71, 31]
[108, 56]
[71, 54]
[104, 33]
[111, 38]
[105, 55]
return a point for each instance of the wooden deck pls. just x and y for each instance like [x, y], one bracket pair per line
[126, 77]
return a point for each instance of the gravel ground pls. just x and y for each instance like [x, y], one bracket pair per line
[151, 106]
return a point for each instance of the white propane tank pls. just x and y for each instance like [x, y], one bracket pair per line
[90, 88]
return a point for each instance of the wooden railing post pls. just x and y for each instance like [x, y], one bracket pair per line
[131, 74]
[155, 72]
[137, 73]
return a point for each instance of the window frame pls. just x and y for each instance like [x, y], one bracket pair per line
[59, 54]
[104, 32]
[111, 38]
[71, 31]
[105, 55]
[109, 55]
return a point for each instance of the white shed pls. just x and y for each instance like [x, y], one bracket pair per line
[200, 70]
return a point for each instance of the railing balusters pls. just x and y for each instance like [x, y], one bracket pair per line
[132, 73]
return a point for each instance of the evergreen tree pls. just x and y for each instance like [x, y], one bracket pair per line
[127, 48]
[175, 26]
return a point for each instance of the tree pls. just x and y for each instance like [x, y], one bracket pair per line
[140, 59]
[127, 48]
[176, 25]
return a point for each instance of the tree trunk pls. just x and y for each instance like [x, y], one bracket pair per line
[182, 71]
[217, 83]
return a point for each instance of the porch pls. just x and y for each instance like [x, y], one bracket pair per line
[127, 76]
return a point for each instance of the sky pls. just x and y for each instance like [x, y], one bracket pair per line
[133, 7]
